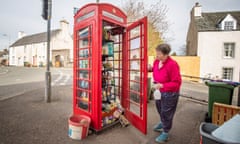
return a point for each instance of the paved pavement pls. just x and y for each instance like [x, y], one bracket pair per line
[27, 119]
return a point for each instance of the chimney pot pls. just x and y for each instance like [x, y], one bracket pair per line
[21, 34]
[197, 10]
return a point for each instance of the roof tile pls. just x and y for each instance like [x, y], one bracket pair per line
[210, 21]
[35, 38]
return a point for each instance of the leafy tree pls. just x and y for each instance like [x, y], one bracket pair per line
[153, 39]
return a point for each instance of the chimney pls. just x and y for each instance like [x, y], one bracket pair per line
[64, 25]
[197, 10]
[21, 34]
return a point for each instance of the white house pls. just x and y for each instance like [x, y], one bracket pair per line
[32, 49]
[215, 38]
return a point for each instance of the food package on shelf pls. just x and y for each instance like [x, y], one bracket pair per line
[107, 65]
[110, 48]
[116, 114]
[105, 49]
[106, 34]
[124, 122]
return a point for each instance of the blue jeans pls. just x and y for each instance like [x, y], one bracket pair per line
[166, 108]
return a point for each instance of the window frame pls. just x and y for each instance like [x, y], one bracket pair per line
[228, 76]
[228, 25]
[232, 46]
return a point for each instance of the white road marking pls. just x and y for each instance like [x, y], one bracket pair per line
[67, 78]
[58, 79]
[62, 79]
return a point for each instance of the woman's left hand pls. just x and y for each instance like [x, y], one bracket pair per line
[158, 86]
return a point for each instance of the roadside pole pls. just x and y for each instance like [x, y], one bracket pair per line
[47, 13]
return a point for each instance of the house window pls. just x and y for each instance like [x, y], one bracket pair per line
[228, 25]
[227, 73]
[229, 50]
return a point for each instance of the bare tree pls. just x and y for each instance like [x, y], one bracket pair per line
[156, 12]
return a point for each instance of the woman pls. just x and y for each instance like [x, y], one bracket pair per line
[167, 79]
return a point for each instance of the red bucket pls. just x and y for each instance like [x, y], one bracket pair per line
[78, 126]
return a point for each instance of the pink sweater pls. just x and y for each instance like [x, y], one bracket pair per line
[168, 75]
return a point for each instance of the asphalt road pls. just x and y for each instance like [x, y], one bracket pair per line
[198, 91]
[19, 80]
[16, 81]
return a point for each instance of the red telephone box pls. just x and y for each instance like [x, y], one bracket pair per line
[110, 66]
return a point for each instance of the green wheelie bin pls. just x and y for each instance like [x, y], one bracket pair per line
[219, 92]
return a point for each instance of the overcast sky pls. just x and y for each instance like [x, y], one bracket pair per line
[25, 15]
